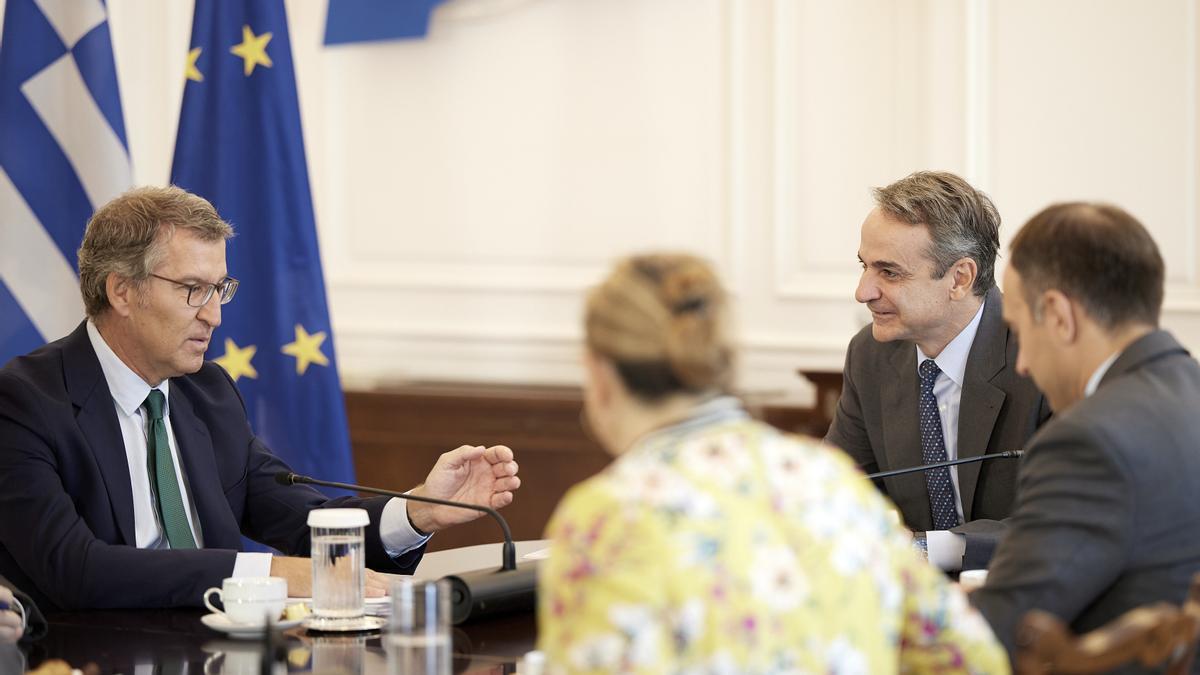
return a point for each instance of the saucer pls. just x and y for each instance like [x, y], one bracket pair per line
[220, 622]
[359, 625]
[367, 602]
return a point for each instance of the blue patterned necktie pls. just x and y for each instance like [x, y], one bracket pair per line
[933, 449]
[162, 476]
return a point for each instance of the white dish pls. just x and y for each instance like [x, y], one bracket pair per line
[220, 622]
[382, 600]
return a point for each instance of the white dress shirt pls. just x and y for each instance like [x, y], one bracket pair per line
[1093, 382]
[129, 392]
[946, 548]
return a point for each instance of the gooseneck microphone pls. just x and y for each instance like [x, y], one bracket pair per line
[1007, 454]
[511, 588]
[510, 549]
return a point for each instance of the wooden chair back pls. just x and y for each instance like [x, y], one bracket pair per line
[1154, 636]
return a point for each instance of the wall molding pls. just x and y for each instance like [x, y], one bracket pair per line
[977, 90]
[797, 277]
[1191, 171]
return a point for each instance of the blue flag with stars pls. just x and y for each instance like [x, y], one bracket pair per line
[240, 146]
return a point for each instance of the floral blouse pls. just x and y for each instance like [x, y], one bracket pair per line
[722, 545]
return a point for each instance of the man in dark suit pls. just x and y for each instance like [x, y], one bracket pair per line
[128, 469]
[1107, 516]
[932, 377]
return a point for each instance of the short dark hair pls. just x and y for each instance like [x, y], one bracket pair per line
[1096, 254]
[963, 222]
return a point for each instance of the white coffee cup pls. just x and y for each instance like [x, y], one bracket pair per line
[972, 579]
[250, 600]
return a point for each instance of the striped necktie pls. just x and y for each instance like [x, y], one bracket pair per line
[162, 474]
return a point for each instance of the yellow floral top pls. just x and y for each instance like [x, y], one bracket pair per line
[721, 545]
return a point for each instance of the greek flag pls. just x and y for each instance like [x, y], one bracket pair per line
[63, 153]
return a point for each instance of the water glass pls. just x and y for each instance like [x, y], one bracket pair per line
[341, 654]
[419, 638]
[339, 565]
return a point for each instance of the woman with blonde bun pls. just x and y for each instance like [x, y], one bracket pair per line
[715, 543]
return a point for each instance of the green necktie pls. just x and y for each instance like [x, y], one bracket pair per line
[162, 470]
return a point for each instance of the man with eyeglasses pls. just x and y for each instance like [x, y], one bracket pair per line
[128, 470]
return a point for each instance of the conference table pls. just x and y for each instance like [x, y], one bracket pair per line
[156, 641]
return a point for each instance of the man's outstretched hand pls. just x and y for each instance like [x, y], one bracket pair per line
[471, 474]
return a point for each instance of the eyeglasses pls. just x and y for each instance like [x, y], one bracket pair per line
[200, 294]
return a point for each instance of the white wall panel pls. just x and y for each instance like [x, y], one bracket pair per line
[848, 97]
[470, 186]
[1096, 100]
[529, 150]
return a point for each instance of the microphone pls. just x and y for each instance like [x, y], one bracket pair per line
[472, 594]
[1007, 454]
[510, 549]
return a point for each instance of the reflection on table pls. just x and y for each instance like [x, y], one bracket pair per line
[136, 641]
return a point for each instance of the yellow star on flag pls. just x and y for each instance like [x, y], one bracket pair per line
[306, 349]
[190, 71]
[253, 50]
[236, 361]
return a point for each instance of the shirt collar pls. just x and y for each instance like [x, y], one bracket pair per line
[1094, 381]
[718, 409]
[128, 389]
[953, 359]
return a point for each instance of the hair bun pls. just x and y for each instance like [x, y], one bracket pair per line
[689, 305]
[662, 319]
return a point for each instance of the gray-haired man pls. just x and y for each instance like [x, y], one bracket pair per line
[933, 376]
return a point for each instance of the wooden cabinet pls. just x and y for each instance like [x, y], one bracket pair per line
[398, 432]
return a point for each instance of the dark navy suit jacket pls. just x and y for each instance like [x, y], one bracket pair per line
[66, 505]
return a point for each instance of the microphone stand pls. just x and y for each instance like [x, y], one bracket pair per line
[472, 594]
[509, 555]
[1007, 454]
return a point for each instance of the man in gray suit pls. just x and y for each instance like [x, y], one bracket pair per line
[932, 377]
[1107, 517]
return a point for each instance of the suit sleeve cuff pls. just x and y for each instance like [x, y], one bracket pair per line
[252, 565]
[946, 549]
[396, 530]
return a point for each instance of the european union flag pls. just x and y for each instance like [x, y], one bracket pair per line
[240, 146]
[62, 154]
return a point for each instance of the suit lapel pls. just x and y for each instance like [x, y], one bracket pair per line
[196, 452]
[901, 435]
[97, 418]
[981, 400]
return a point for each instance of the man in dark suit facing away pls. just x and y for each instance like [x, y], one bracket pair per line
[933, 376]
[1107, 516]
[128, 469]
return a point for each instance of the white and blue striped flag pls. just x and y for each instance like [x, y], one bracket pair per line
[63, 153]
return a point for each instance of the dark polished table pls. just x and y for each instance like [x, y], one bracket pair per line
[162, 640]
[121, 641]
